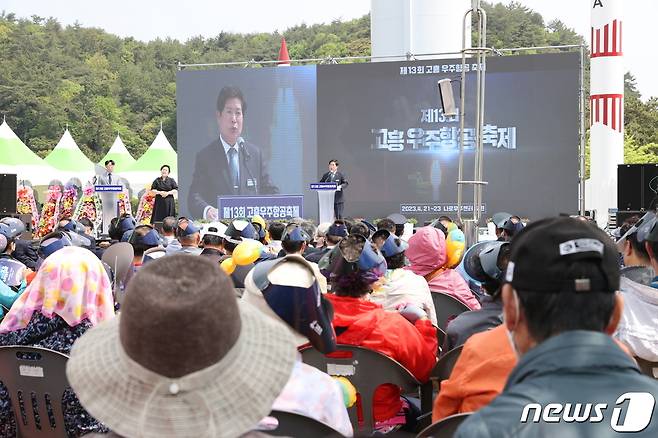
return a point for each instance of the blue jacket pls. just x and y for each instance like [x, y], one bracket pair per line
[582, 367]
[8, 296]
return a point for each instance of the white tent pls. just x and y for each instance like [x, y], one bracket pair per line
[69, 161]
[17, 158]
[119, 153]
[147, 167]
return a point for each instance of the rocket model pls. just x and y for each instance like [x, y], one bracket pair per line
[606, 106]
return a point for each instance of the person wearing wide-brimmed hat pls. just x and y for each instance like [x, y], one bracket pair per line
[70, 293]
[407, 337]
[288, 289]
[184, 358]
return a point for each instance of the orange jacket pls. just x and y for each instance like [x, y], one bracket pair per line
[370, 326]
[479, 375]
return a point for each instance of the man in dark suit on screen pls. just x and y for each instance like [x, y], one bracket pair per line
[335, 176]
[229, 165]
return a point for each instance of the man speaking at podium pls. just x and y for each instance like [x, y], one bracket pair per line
[336, 177]
[229, 165]
[107, 177]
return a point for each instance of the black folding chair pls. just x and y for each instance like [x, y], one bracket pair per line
[445, 428]
[36, 380]
[366, 369]
[297, 425]
[447, 307]
[446, 363]
[440, 372]
[440, 339]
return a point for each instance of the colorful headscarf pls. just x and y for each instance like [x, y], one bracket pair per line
[71, 283]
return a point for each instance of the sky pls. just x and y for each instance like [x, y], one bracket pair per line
[148, 19]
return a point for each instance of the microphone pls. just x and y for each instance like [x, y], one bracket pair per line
[243, 149]
[247, 156]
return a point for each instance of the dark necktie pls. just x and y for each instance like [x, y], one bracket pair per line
[234, 165]
[109, 176]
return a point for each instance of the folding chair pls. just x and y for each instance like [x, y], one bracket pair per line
[35, 376]
[446, 363]
[445, 428]
[120, 258]
[648, 368]
[366, 369]
[440, 339]
[447, 307]
[297, 425]
[440, 372]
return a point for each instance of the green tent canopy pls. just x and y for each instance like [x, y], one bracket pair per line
[118, 152]
[147, 167]
[17, 158]
[69, 159]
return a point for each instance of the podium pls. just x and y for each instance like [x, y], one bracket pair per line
[108, 195]
[326, 192]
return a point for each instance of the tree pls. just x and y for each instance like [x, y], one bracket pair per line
[100, 84]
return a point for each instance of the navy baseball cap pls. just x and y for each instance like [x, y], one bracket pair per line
[16, 227]
[295, 234]
[5, 231]
[241, 228]
[151, 238]
[337, 229]
[53, 242]
[298, 303]
[127, 223]
[125, 237]
[188, 229]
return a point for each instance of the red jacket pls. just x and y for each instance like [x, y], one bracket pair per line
[370, 326]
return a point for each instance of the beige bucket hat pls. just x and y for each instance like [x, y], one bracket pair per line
[184, 358]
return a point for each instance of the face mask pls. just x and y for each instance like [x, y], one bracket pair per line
[510, 334]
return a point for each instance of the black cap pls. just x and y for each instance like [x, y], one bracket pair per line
[563, 255]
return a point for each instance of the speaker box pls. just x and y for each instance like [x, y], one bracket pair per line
[630, 187]
[650, 185]
[8, 193]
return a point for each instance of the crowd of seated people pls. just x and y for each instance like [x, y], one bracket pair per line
[203, 344]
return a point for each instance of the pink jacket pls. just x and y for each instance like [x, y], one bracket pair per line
[426, 253]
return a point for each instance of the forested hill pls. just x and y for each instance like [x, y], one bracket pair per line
[100, 84]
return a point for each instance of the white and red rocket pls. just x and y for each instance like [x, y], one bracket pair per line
[606, 106]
